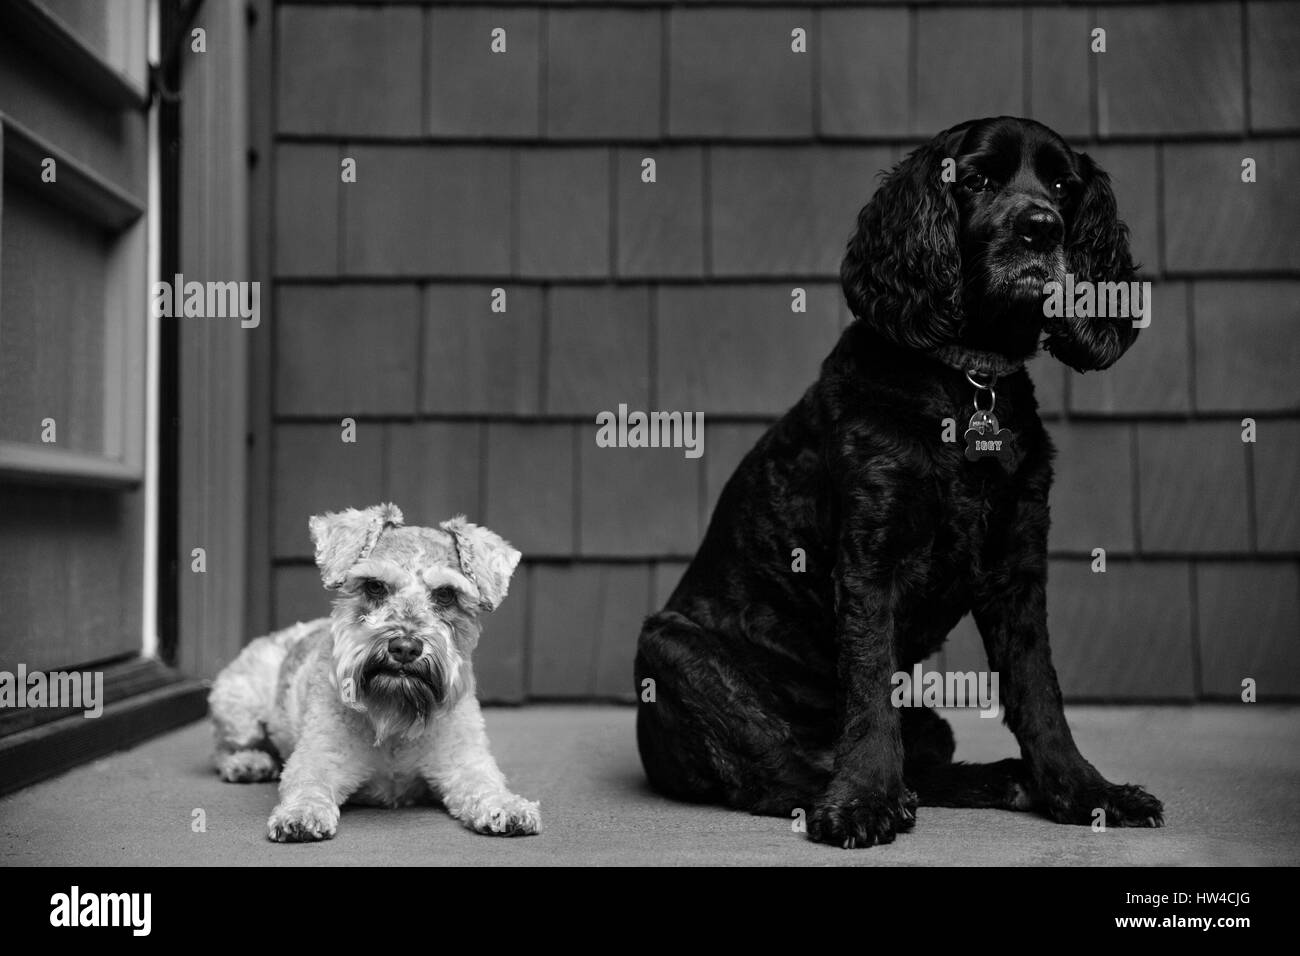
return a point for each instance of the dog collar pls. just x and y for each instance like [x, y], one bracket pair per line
[974, 361]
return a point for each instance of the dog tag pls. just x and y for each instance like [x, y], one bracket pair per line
[984, 439]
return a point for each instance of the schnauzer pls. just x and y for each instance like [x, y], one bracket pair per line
[375, 704]
[772, 679]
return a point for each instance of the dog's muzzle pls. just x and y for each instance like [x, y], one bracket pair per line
[399, 672]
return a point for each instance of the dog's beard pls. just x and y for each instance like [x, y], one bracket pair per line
[1003, 297]
[399, 700]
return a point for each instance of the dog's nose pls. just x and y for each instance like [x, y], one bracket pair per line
[404, 649]
[1040, 228]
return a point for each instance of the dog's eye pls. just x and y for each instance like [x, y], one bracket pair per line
[375, 589]
[977, 182]
[1066, 188]
[444, 597]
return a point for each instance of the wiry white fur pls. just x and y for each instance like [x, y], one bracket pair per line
[486, 559]
[284, 698]
[345, 538]
[351, 646]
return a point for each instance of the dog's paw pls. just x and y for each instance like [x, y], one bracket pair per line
[247, 766]
[506, 815]
[303, 823]
[1124, 805]
[863, 821]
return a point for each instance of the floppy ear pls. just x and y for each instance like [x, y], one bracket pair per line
[1097, 247]
[1096, 250]
[347, 537]
[902, 270]
[486, 558]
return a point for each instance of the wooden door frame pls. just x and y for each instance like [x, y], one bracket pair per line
[212, 354]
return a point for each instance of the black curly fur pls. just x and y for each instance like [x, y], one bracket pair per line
[771, 685]
[1096, 249]
[903, 264]
[902, 271]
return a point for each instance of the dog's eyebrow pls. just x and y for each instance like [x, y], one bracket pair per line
[371, 569]
[449, 577]
[1050, 161]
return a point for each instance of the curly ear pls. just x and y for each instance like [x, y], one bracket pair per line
[486, 558]
[1096, 250]
[1097, 247]
[902, 270]
[347, 537]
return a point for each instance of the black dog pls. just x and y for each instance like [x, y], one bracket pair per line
[772, 686]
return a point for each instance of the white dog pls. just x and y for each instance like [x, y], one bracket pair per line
[375, 704]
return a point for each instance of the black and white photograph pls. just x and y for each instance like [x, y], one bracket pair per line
[651, 433]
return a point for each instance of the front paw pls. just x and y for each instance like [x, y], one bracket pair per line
[1124, 805]
[865, 820]
[505, 815]
[303, 822]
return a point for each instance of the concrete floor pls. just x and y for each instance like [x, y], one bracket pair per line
[1229, 776]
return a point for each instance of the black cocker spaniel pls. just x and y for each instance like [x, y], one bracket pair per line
[907, 487]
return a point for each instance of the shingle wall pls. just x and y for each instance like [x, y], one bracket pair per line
[522, 171]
